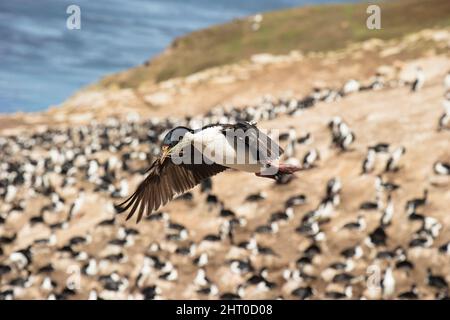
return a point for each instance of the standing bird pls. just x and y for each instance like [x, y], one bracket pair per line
[359, 224]
[447, 82]
[334, 186]
[419, 81]
[351, 86]
[441, 168]
[436, 281]
[388, 212]
[444, 120]
[388, 283]
[305, 139]
[310, 159]
[189, 156]
[418, 202]
[75, 208]
[369, 162]
[292, 140]
[381, 147]
[346, 141]
[341, 135]
[333, 126]
[393, 162]
[385, 186]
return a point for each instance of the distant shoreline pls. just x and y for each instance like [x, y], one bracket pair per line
[143, 89]
[43, 63]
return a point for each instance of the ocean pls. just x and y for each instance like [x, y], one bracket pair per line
[42, 62]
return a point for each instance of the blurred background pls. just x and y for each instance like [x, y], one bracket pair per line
[364, 112]
[42, 62]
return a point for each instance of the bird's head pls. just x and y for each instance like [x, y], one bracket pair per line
[173, 139]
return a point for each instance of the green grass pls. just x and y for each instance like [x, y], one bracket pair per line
[314, 28]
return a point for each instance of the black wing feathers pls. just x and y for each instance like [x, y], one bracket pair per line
[260, 145]
[164, 181]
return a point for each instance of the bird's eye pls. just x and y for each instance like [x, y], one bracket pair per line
[174, 136]
[173, 143]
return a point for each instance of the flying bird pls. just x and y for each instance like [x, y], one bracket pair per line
[189, 156]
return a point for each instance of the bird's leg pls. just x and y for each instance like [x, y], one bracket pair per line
[274, 170]
[286, 168]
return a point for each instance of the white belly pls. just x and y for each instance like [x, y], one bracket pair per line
[226, 151]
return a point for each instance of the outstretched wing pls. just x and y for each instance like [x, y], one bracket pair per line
[164, 181]
[260, 145]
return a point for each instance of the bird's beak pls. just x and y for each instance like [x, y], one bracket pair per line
[165, 152]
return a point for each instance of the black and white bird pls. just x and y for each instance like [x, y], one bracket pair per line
[444, 120]
[436, 281]
[305, 139]
[267, 228]
[418, 202]
[388, 212]
[189, 156]
[303, 293]
[413, 215]
[419, 80]
[378, 237]
[382, 186]
[369, 162]
[413, 293]
[445, 248]
[287, 214]
[359, 225]
[394, 159]
[447, 82]
[341, 135]
[291, 143]
[310, 159]
[77, 205]
[442, 168]
[378, 82]
[346, 141]
[334, 186]
[388, 283]
[381, 147]
[295, 200]
[255, 197]
[372, 205]
[333, 125]
[351, 86]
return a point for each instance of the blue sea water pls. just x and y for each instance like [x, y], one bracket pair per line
[42, 62]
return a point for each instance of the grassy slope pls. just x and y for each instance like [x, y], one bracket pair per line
[314, 28]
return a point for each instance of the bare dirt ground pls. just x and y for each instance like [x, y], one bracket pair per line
[395, 116]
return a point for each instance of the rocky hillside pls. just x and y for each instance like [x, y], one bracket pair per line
[307, 29]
